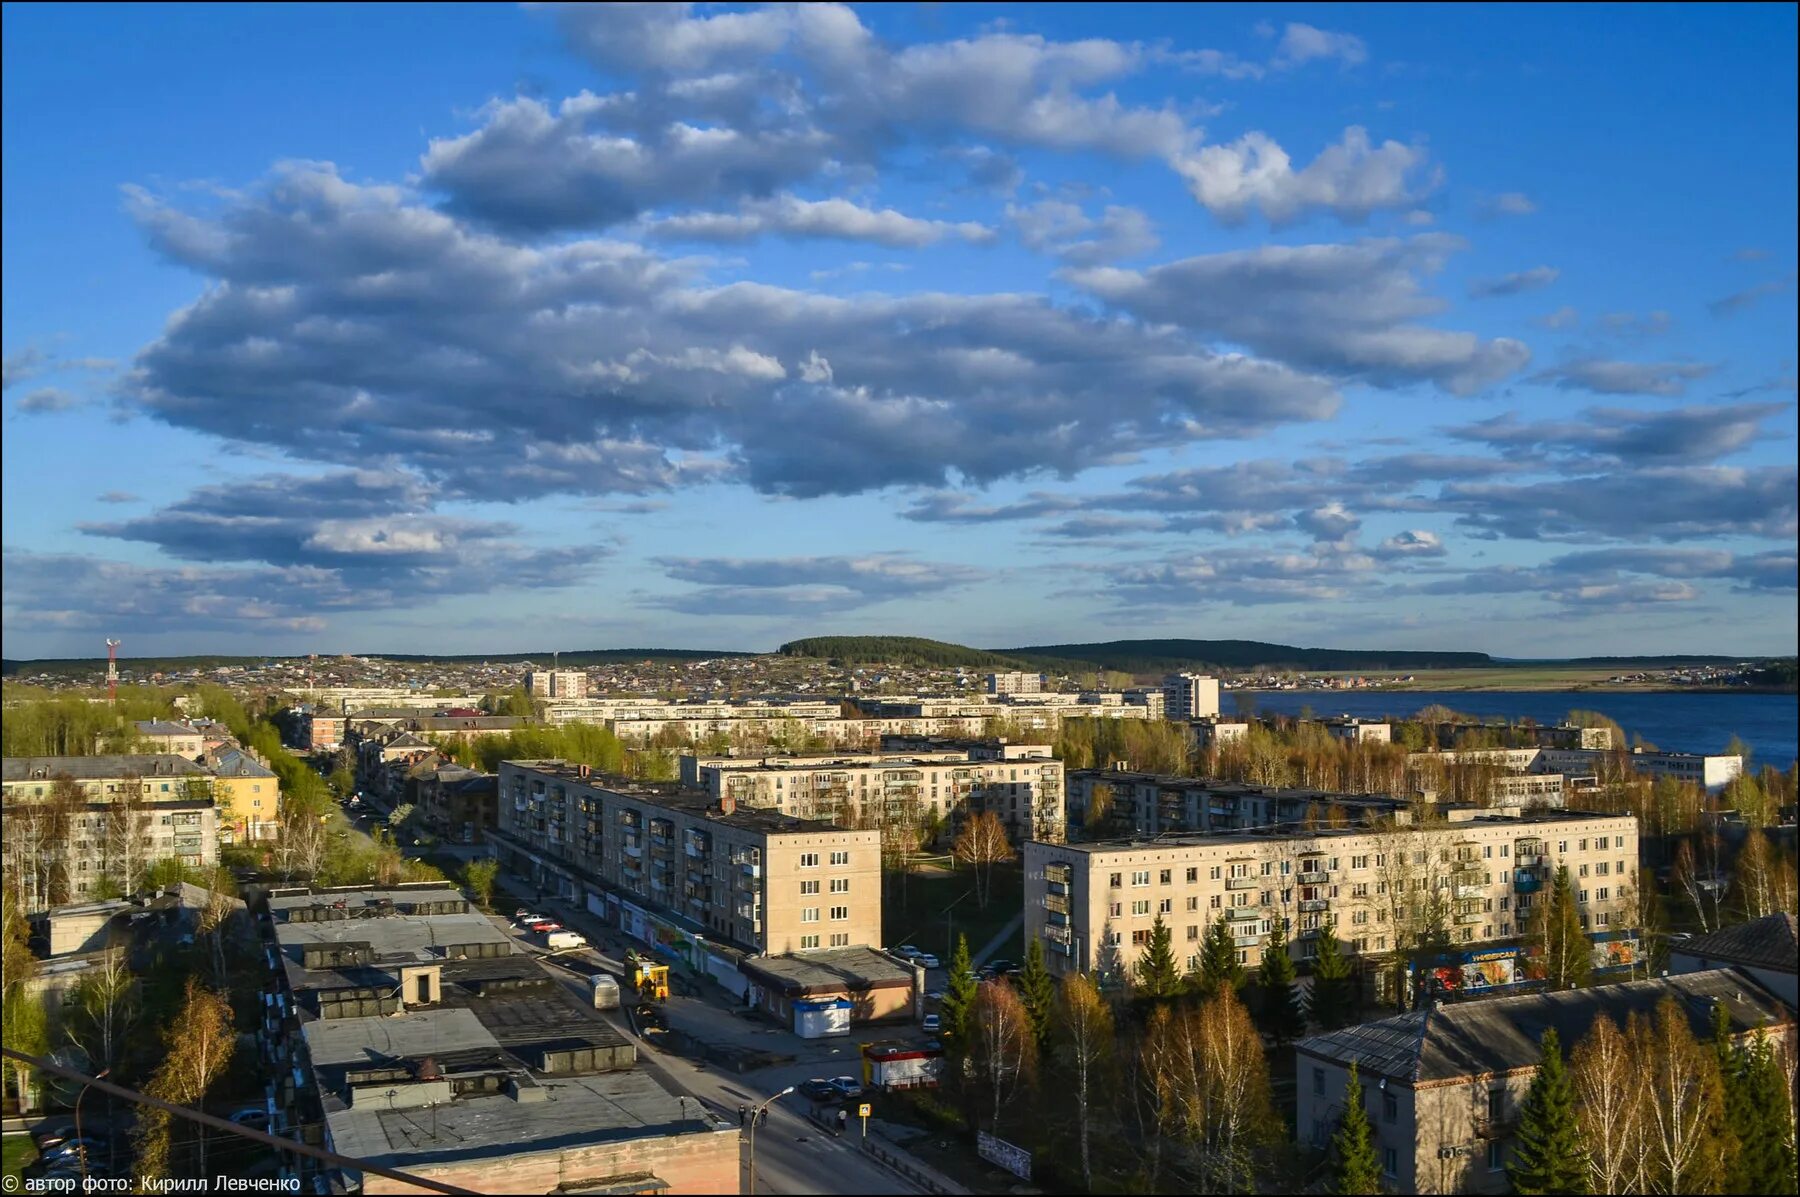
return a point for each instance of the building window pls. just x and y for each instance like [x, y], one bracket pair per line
[1142, 907]
[841, 939]
[1213, 902]
[1390, 1161]
[808, 941]
[840, 858]
[810, 914]
[1115, 909]
[809, 860]
[1496, 1156]
[1140, 937]
[1140, 877]
[809, 887]
[1193, 931]
[1318, 1082]
[1213, 872]
[1113, 881]
[1167, 905]
[840, 885]
[1193, 903]
[1193, 875]
[839, 913]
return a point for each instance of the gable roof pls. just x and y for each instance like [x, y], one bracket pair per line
[1767, 942]
[1499, 1035]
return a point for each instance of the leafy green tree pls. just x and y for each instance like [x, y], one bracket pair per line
[24, 1022]
[1038, 991]
[1156, 973]
[959, 997]
[1548, 1157]
[1219, 967]
[1280, 1009]
[1354, 1168]
[480, 875]
[1555, 938]
[1332, 1001]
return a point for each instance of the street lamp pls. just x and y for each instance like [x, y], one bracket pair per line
[81, 1148]
[755, 1116]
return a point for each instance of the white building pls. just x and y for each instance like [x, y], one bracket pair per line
[1190, 696]
[556, 683]
[1015, 683]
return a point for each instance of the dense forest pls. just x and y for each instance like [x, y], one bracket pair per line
[138, 666]
[1161, 656]
[898, 650]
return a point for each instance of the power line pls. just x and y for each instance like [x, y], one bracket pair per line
[217, 1123]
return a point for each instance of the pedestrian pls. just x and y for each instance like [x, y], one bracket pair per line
[743, 1114]
[843, 1120]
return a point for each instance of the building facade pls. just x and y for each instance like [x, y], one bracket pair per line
[757, 879]
[248, 795]
[556, 683]
[1443, 1087]
[1015, 683]
[1093, 904]
[1125, 802]
[1190, 696]
[1021, 783]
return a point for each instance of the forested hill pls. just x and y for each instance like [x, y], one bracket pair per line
[1159, 656]
[1127, 656]
[897, 650]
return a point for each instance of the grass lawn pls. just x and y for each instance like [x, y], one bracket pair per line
[940, 903]
[18, 1152]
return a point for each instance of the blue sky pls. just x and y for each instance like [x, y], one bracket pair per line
[470, 328]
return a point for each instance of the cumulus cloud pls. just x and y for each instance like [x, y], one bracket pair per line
[502, 370]
[835, 219]
[1534, 279]
[1736, 302]
[774, 586]
[1303, 43]
[19, 367]
[1656, 503]
[45, 400]
[1349, 310]
[1065, 231]
[1330, 522]
[1607, 376]
[1240, 577]
[1683, 434]
[1350, 179]
[1626, 579]
[1415, 542]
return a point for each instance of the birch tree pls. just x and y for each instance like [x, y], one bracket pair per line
[1686, 1102]
[102, 1007]
[126, 824]
[1084, 1046]
[982, 844]
[198, 1046]
[1609, 1106]
[1219, 1083]
[1003, 1048]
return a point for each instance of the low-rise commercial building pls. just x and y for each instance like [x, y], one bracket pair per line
[1021, 783]
[1765, 948]
[1443, 1086]
[1093, 904]
[409, 1032]
[759, 880]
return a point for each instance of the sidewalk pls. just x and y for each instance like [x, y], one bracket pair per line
[993, 945]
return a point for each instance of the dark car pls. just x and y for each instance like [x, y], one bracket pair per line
[819, 1089]
[997, 967]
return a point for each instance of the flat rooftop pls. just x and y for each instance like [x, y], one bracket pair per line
[674, 796]
[830, 971]
[1226, 839]
[398, 937]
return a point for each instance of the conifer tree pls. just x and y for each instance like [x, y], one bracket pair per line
[1758, 1133]
[1280, 1009]
[1548, 1157]
[1219, 967]
[1157, 975]
[1332, 1002]
[1038, 992]
[1354, 1169]
[959, 997]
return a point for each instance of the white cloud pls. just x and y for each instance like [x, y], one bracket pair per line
[830, 218]
[1350, 179]
[1303, 43]
[1534, 279]
[1064, 230]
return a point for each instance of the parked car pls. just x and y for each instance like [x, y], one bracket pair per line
[73, 1149]
[907, 951]
[848, 1087]
[819, 1089]
[49, 1134]
[925, 960]
[932, 1024]
[255, 1117]
[996, 967]
[934, 995]
[526, 918]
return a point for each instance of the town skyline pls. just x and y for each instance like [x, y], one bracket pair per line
[727, 326]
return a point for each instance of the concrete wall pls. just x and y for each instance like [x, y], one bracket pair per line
[705, 1162]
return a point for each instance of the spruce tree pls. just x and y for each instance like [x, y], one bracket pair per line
[959, 996]
[1280, 1009]
[1038, 992]
[1157, 975]
[1354, 1169]
[1332, 1002]
[1548, 1157]
[1759, 1152]
[1219, 967]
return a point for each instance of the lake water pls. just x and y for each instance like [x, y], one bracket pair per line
[1698, 722]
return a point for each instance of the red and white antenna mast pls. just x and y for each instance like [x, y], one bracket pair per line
[112, 671]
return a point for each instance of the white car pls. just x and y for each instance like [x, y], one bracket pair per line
[925, 960]
[907, 951]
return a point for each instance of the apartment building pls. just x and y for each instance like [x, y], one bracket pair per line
[1015, 683]
[137, 808]
[407, 1030]
[556, 683]
[248, 795]
[1443, 1086]
[176, 739]
[1712, 772]
[324, 732]
[1093, 904]
[1203, 734]
[1190, 696]
[1122, 801]
[460, 805]
[1359, 731]
[1155, 702]
[761, 880]
[1021, 783]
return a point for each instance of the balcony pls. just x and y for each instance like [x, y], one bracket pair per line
[1241, 883]
[1058, 904]
[1246, 941]
[750, 870]
[746, 910]
[1238, 914]
[633, 851]
[1061, 935]
[1465, 866]
[1528, 860]
[1314, 878]
[1059, 888]
[1312, 904]
[1495, 1128]
[1465, 892]
[1058, 874]
[1527, 883]
[1464, 920]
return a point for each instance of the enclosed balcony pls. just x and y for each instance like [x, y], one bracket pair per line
[1239, 914]
[1310, 905]
[1057, 903]
[1313, 877]
[1240, 883]
[1525, 881]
